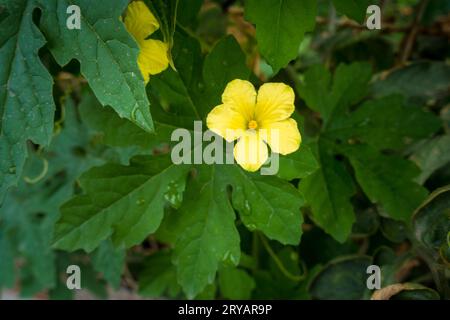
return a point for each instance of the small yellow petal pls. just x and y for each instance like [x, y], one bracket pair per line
[241, 96]
[251, 151]
[152, 58]
[226, 122]
[275, 102]
[140, 21]
[283, 136]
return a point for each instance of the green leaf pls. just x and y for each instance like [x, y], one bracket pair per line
[26, 103]
[180, 92]
[206, 231]
[387, 180]
[419, 82]
[114, 130]
[26, 234]
[318, 248]
[382, 124]
[223, 64]
[349, 86]
[209, 293]
[431, 223]
[158, 276]
[117, 132]
[366, 224]
[343, 278]
[394, 230]
[434, 154]
[390, 264]
[316, 82]
[267, 203]
[235, 284]
[109, 261]
[328, 192]
[124, 202]
[354, 9]
[106, 51]
[299, 164]
[188, 11]
[29, 211]
[203, 229]
[386, 123]
[7, 274]
[280, 27]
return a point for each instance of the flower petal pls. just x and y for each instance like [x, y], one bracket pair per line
[241, 96]
[140, 21]
[283, 136]
[152, 58]
[275, 102]
[250, 151]
[226, 122]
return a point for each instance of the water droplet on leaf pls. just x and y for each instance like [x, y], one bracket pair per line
[174, 194]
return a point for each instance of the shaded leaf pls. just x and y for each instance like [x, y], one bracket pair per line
[158, 276]
[354, 9]
[431, 222]
[387, 180]
[235, 284]
[348, 87]
[419, 82]
[298, 164]
[385, 123]
[280, 27]
[434, 154]
[26, 102]
[343, 278]
[109, 261]
[328, 192]
[223, 64]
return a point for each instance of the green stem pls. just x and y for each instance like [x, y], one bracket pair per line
[279, 263]
[205, 46]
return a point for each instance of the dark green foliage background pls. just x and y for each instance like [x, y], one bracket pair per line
[86, 176]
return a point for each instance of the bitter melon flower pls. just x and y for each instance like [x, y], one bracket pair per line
[141, 23]
[256, 119]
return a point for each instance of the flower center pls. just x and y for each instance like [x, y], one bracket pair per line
[252, 124]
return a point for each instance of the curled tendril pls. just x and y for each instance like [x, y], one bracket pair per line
[280, 265]
[41, 175]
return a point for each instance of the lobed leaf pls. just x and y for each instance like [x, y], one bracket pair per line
[106, 51]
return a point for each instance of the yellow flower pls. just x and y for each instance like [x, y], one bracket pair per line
[141, 23]
[256, 119]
